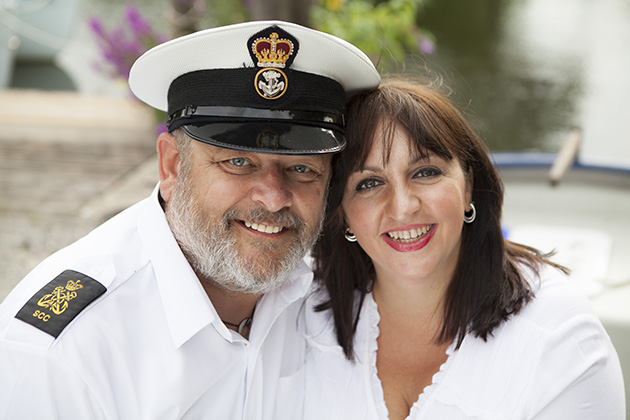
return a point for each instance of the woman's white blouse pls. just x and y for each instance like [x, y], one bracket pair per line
[552, 361]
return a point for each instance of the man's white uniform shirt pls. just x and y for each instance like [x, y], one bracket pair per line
[152, 346]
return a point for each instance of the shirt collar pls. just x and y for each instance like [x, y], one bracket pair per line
[272, 304]
[186, 305]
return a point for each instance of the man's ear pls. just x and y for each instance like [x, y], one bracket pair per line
[168, 164]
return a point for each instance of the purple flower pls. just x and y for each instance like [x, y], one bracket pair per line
[122, 45]
[426, 46]
[96, 25]
[161, 128]
[137, 23]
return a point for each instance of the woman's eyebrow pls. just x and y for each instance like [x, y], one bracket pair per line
[412, 161]
[370, 169]
[421, 158]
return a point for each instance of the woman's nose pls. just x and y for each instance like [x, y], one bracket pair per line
[402, 202]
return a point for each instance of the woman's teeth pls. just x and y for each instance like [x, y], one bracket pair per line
[263, 228]
[409, 235]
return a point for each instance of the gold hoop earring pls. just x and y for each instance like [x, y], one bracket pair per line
[349, 235]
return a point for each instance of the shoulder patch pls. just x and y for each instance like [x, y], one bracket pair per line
[60, 301]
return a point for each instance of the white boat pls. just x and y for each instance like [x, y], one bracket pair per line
[581, 210]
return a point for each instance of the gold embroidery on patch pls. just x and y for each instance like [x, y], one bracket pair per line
[57, 301]
[272, 51]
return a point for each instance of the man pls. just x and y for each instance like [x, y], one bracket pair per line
[184, 305]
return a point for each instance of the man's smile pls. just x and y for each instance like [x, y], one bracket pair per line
[263, 228]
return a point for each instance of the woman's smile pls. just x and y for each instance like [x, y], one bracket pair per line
[409, 235]
[410, 240]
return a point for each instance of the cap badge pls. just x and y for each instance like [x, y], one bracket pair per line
[272, 49]
[271, 83]
[272, 52]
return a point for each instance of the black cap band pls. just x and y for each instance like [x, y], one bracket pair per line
[213, 95]
[210, 114]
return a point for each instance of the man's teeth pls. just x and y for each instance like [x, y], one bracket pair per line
[263, 228]
[409, 235]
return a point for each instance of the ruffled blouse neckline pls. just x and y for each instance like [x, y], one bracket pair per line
[372, 317]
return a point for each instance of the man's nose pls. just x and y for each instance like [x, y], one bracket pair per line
[271, 190]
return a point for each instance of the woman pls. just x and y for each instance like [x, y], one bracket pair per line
[424, 310]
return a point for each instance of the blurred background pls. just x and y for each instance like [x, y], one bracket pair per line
[76, 148]
[525, 70]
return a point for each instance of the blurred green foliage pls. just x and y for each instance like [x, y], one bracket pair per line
[387, 31]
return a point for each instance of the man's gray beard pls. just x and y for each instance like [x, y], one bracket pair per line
[211, 251]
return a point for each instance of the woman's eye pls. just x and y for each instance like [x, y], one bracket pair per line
[367, 184]
[427, 172]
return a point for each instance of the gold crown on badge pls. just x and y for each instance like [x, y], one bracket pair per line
[272, 51]
[74, 285]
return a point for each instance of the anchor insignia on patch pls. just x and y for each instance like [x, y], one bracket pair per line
[272, 49]
[53, 307]
[57, 301]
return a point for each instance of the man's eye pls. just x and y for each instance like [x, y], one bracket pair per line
[302, 169]
[239, 161]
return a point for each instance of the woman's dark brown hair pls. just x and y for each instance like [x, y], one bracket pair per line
[487, 286]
